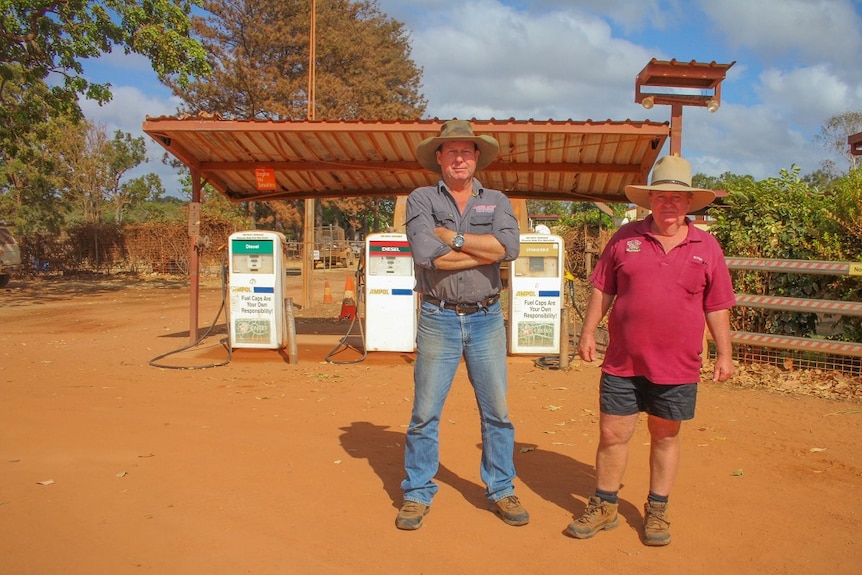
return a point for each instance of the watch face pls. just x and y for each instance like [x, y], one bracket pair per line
[458, 241]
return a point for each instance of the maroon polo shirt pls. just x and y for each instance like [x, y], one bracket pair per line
[657, 321]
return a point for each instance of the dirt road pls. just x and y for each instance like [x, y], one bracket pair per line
[111, 465]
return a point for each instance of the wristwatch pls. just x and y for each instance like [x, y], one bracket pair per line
[458, 241]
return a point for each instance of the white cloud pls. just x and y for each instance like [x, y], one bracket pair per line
[806, 96]
[493, 61]
[811, 30]
[128, 109]
[746, 140]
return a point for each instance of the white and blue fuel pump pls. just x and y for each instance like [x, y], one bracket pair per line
[256, 262]
[391, 303]
[536, 295]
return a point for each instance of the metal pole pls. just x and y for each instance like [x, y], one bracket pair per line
[194, 260]
[676, 129]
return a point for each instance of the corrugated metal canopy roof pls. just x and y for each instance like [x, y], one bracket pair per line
[559, 160]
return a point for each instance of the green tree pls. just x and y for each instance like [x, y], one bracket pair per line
[29, 187]
[82, 168]
[122, 154]
[781, 218]
[846, 214]
[44, 39]
[163, 209]
[834, 133]
[134, 192]
[547, 207]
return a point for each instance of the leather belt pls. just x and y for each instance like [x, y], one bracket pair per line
[463, 308]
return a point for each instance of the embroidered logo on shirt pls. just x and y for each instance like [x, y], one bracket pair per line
[633, 246]
[487, 209]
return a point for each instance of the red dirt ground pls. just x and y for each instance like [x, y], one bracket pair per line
[110, 465]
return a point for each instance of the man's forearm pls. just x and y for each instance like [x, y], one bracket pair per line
[485, 247]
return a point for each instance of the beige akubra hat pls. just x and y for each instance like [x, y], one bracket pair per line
[670, 174]
[456, 131]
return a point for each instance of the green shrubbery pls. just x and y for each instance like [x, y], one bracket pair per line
[788, 218]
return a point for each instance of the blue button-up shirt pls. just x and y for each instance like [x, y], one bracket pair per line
[487, 212]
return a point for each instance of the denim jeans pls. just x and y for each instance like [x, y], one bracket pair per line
[443, 338]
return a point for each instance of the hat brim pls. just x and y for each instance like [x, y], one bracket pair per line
[426, 151]
[640, 195]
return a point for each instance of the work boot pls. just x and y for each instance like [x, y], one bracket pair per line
[598, 516]
[410, 515]
[656, 525]
[511, 511]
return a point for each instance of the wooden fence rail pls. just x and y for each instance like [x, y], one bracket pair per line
[825, 346]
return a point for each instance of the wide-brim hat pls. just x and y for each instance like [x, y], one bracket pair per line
[670, 174]
[456, 131]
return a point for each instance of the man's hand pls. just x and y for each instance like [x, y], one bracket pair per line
[587, 347]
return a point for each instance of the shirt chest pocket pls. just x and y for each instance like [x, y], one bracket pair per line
[481, 223]
[444, 219]
[692, 277]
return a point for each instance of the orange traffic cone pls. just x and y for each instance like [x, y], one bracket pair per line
[348, 304]
[327, 293]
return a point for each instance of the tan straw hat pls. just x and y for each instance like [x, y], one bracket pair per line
[670, 174]
[456, 131]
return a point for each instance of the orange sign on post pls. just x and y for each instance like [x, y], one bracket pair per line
[265, 179]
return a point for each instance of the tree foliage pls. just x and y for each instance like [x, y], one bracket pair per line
[834, 133]
[785, 218]
[45, 41]
[92, 170]
[259, 53]
[29, 184]
[846, 213]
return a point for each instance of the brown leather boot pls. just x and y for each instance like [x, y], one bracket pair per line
[598, 516]
[656, 525]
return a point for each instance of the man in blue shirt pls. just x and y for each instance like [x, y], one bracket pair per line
[459, 232]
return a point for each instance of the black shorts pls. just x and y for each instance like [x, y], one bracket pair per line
[631, 395]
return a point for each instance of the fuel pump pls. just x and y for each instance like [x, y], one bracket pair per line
[390, 302]
[535, 295]
[256, 290]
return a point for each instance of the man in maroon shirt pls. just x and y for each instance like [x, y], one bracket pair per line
[667, 280]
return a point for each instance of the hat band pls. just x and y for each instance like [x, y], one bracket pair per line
[677, 182]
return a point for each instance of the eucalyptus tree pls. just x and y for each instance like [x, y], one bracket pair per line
[259, 51]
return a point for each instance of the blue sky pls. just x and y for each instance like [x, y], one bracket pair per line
[797, 64]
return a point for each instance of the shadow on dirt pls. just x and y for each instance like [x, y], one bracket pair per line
[53, 288]
[556, 478]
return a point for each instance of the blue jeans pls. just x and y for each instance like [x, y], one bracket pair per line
[442, 339]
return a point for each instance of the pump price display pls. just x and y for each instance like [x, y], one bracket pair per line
[389, 258]
[252, 256]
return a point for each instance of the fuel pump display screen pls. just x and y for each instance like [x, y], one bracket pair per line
[389, 258]
[252, 256]
[538, 260]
